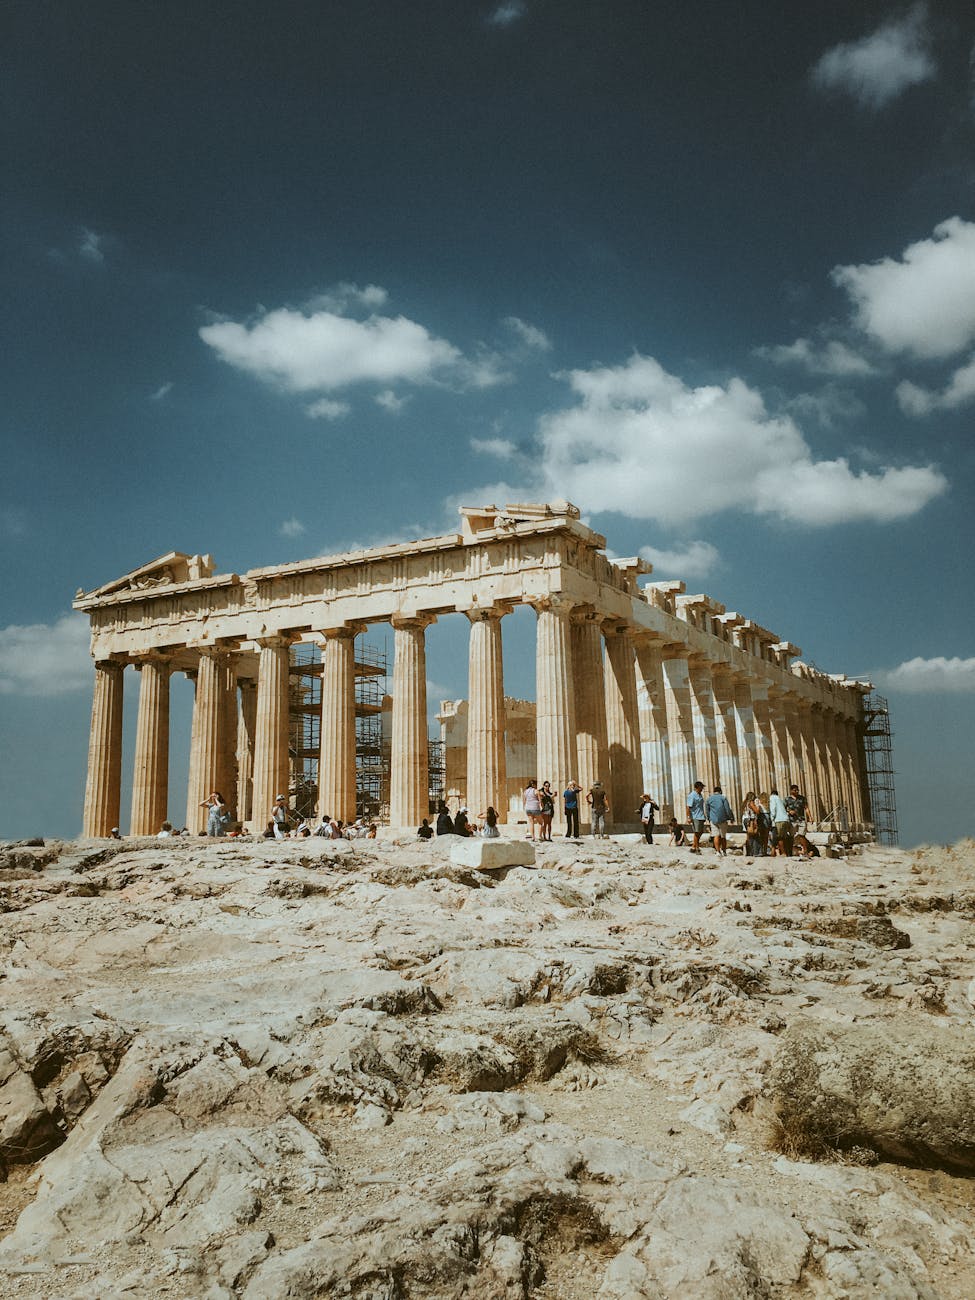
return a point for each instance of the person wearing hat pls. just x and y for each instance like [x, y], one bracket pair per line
[461, 824]
[116, 833]
[280, 817]
[599, 803]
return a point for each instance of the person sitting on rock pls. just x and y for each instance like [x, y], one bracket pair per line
[461, 825]
[445, 823]
[677, 836]
[489, 824]
[425, 830]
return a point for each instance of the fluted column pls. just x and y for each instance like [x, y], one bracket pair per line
[726, 734]
[809, 768]
[847, 770]
[837, 782]
[654, 744]
[227, 784]
[271, 730]
[150, 774]
[104, 784]
[702, 712]
[747, 737]
[409, 783]
[763, 736]
[336, 760]
[780, 740]
[207, 756]
[622, 723]
[487, 782]
[592, 749]
[827, 790]
[680, 726]
[246, 728]
[555, 724]
[862, 795]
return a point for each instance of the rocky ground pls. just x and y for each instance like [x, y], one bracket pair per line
[300, 1069]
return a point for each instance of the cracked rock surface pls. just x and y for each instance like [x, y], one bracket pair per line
[306, 1070]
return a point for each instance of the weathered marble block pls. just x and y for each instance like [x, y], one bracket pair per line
[488, 855]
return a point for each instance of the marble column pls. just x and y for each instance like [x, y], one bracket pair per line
[104, 785]
[555, 724]
[702, 712]
[780, 740]
[227, 784]
[207, 751]
[824, 777]
[837, 784]
[680, 727]
[726, 734]
[654, 742]
[747, 736]
[487, 783]
[592, 749]
[409, 783]
[271, 729]
[763, 736]
[808, 778]
[150, 774]
[336, 760]
[246, 729]
[622, 724]
[847, 769]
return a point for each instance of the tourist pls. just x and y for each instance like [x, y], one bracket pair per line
[461, 825]
[546, 801]
[719, 815]
[677, 836]
[804, 848]
[599, 803]
[269, 832]
[166, 831]
[218, 817]
[371, 832]
[425, 830]
[445, 823]
[324, 830]
[489, 829]
[338, 829]
[116, 834]
[750, 822]
[280, 817]
[533, 808]
[764, 821]
[646, 810]
[570, 801]
[782, 834]
[696, 814]
[797, 806]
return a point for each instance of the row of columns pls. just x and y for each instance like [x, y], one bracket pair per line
[612, 704]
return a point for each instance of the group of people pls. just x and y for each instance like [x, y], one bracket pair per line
[773, 826]
[460, 823]
[539, 802]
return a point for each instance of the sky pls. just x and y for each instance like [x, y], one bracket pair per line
[281, 280]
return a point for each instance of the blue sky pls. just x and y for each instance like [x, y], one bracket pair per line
[283, 279]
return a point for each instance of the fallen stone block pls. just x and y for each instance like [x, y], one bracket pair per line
[491, 855]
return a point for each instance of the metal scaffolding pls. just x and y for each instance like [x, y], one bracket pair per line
[304, 730]
[878, 757]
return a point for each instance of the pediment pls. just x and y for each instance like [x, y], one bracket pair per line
[167, 570]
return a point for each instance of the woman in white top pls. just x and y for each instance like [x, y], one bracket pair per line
[533, 808]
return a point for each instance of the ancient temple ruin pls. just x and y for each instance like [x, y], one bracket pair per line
[646, 688]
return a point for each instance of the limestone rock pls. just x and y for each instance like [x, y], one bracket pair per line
[490, 855]
[904, 1087]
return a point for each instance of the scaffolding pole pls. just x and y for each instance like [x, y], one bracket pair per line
[878, 758]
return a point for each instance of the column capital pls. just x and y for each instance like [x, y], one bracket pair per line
[484, 613]
[111, 665]
[557, 604]
[272, 641]
[676, 650]
[344, 632]
[620, 627]
[157, 657]
[412, 621]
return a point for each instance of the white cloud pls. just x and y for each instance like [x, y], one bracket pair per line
[918, 401]
[928, 675]
[500, 447]
[327, 408]
[46, 658]
[639, 441]
[506, 14]
[390, 402]
[881, 66]
[830, 406]
[324, 350]
[162, 391]
[923, 304]
[693, 560]
[292, 528]
[344, 295]
[530, 335]
[91, 246]
[829, 358]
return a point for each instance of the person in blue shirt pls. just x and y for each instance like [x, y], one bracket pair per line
[570, 801]
[719, 815]
[696, 814]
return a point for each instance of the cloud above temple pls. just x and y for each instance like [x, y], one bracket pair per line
[339, 340]
[693, 560]
[45, 658]
[879, 67]
[930, 675]
[640, 441]
[922, 304]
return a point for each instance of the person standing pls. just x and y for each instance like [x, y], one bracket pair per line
[750, 822]
[782, 833]
[647, 809]
[546, 799]
[599, 803]
[719, 815]
[570, 801]
[696, 814]
[217, 815]
[280, 817]
[533, 808]
[797, 806]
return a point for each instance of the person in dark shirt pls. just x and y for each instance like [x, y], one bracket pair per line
[425, 830]
[445, 823]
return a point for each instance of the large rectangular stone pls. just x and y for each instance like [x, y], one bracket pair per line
[489, 855]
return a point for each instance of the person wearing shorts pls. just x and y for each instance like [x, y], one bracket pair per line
[719, 814]
[533, 808]
[696, 814]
